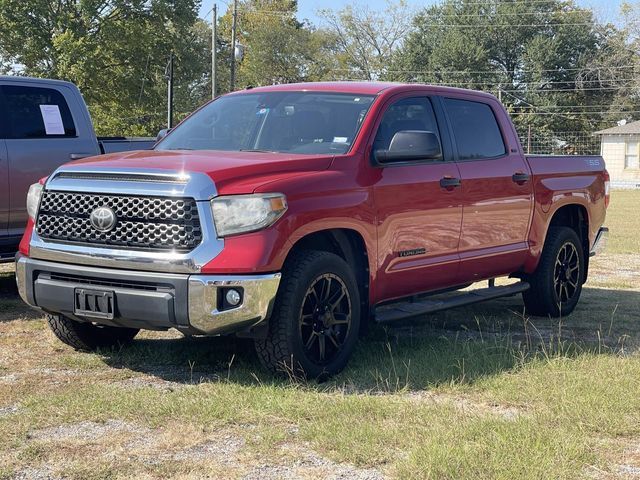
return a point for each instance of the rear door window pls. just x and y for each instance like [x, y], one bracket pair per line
[34, 112]
[475, 129]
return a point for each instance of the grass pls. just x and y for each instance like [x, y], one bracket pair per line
[481, 392]
[622, 219]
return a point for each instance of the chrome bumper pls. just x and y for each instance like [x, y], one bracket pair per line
[206, 295]
[600, 242]
[191, 303]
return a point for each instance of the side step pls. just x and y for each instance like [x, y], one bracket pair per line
[401, 310]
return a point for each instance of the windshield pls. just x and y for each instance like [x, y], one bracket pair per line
[286, 122]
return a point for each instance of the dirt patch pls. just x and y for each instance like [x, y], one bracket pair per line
[86, 431]
[8, 267]
[168, 379]
[309, 465]
[467, 405]
[10, 410]
[36, 473]
[222, 449]
[620, 270]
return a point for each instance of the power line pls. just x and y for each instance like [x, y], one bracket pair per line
[571, 91]
[564, 114]
[616, 82]
[521, 25]
[504, 14]
[496, 72]
[571, 106]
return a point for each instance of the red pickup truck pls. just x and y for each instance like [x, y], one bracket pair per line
[296, 214]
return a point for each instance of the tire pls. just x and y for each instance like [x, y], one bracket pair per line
[316, 318]
[87, 336]
[557, 282]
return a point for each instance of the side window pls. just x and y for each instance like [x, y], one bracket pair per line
[413, 114]
[475, 129]
[35, 112]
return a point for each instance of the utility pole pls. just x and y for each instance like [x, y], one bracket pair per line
[169, 74]
[233, 44]
[214, 22]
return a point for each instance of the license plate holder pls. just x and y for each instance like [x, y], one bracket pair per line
[94, 303]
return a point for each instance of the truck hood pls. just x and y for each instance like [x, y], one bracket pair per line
[232, 172]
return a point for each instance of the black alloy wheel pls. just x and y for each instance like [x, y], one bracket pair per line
[556, 285]
[325, 318]
[315, 321]
[566, 273]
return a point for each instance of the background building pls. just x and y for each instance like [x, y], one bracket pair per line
[620, 148]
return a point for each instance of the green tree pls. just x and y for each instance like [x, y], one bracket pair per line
[277, 47]
[535, 55]
[114, 50]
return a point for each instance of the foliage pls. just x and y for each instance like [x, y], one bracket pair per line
[367, 39]
[277, 47]
[539, 57]
[114, 50]
[552, 64]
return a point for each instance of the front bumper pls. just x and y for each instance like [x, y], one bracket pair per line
[193, 304]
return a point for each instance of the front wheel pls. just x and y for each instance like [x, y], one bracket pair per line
[557, 282]
[316, 318]
[87, 336]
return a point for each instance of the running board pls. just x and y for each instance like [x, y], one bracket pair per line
[404, 310]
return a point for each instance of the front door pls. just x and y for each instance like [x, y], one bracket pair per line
[497, 191]
[418, 219]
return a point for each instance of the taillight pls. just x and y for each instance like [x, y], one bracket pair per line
[607, 188]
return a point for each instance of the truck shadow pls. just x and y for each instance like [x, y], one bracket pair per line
[460, 345]
[11, 305]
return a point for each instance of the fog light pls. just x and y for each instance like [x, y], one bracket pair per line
[233, 297]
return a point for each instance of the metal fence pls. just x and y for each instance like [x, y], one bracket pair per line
[560, 143]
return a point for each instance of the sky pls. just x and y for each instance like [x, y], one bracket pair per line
[606, 10]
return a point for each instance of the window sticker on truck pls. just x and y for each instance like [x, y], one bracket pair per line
[52, 119]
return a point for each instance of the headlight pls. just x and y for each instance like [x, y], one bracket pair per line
[246, 213]
[33, 199]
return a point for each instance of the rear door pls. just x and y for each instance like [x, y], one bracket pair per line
[496, 187]
[418, 219]
[46, 128]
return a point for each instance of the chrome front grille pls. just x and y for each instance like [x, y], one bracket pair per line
[157, 223]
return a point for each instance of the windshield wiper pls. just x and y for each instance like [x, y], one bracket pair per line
[259, 150]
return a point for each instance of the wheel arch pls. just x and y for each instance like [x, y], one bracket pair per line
[350, 245]
[576, 217]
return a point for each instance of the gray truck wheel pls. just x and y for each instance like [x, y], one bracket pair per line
[316, 317]
[557, 282]
[87, 336]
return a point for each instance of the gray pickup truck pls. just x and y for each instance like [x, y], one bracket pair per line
[43, 124]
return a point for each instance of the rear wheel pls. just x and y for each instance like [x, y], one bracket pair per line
[557, 282]
[316, 317]
[87, 336]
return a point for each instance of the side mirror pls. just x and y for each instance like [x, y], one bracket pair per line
[408, 145]
[162, 133]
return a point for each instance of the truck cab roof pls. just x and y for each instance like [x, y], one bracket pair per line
[364, 88]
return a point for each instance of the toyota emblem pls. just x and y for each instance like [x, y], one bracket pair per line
[103, 219]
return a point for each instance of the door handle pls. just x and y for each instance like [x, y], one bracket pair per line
[450, 182]
[78, 156]
[520, 178]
